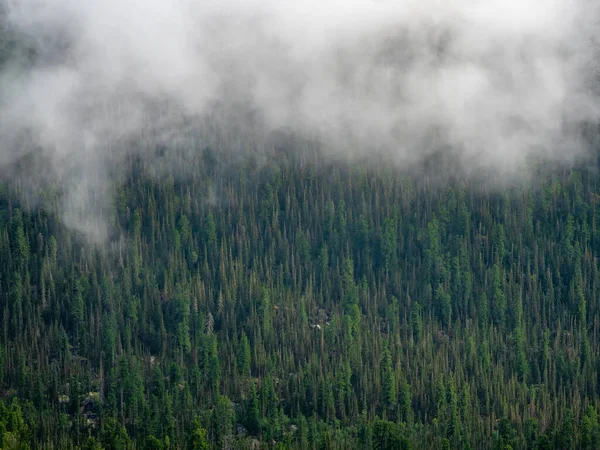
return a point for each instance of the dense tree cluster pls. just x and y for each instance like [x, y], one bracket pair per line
[305, 305]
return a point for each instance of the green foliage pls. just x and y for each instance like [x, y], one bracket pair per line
[388, 436]
[388, 380]
[308, 306]
[252, 415]
[198, 440]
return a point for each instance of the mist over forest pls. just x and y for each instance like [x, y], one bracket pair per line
[303, 225]
[486, 86]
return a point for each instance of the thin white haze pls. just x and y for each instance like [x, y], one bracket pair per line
[495, 82]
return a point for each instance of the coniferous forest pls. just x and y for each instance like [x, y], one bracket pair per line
[237, 294]
[300, 303]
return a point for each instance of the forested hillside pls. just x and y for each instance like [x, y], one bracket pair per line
[303, 304]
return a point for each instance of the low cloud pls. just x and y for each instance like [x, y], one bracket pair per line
[491, 83]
